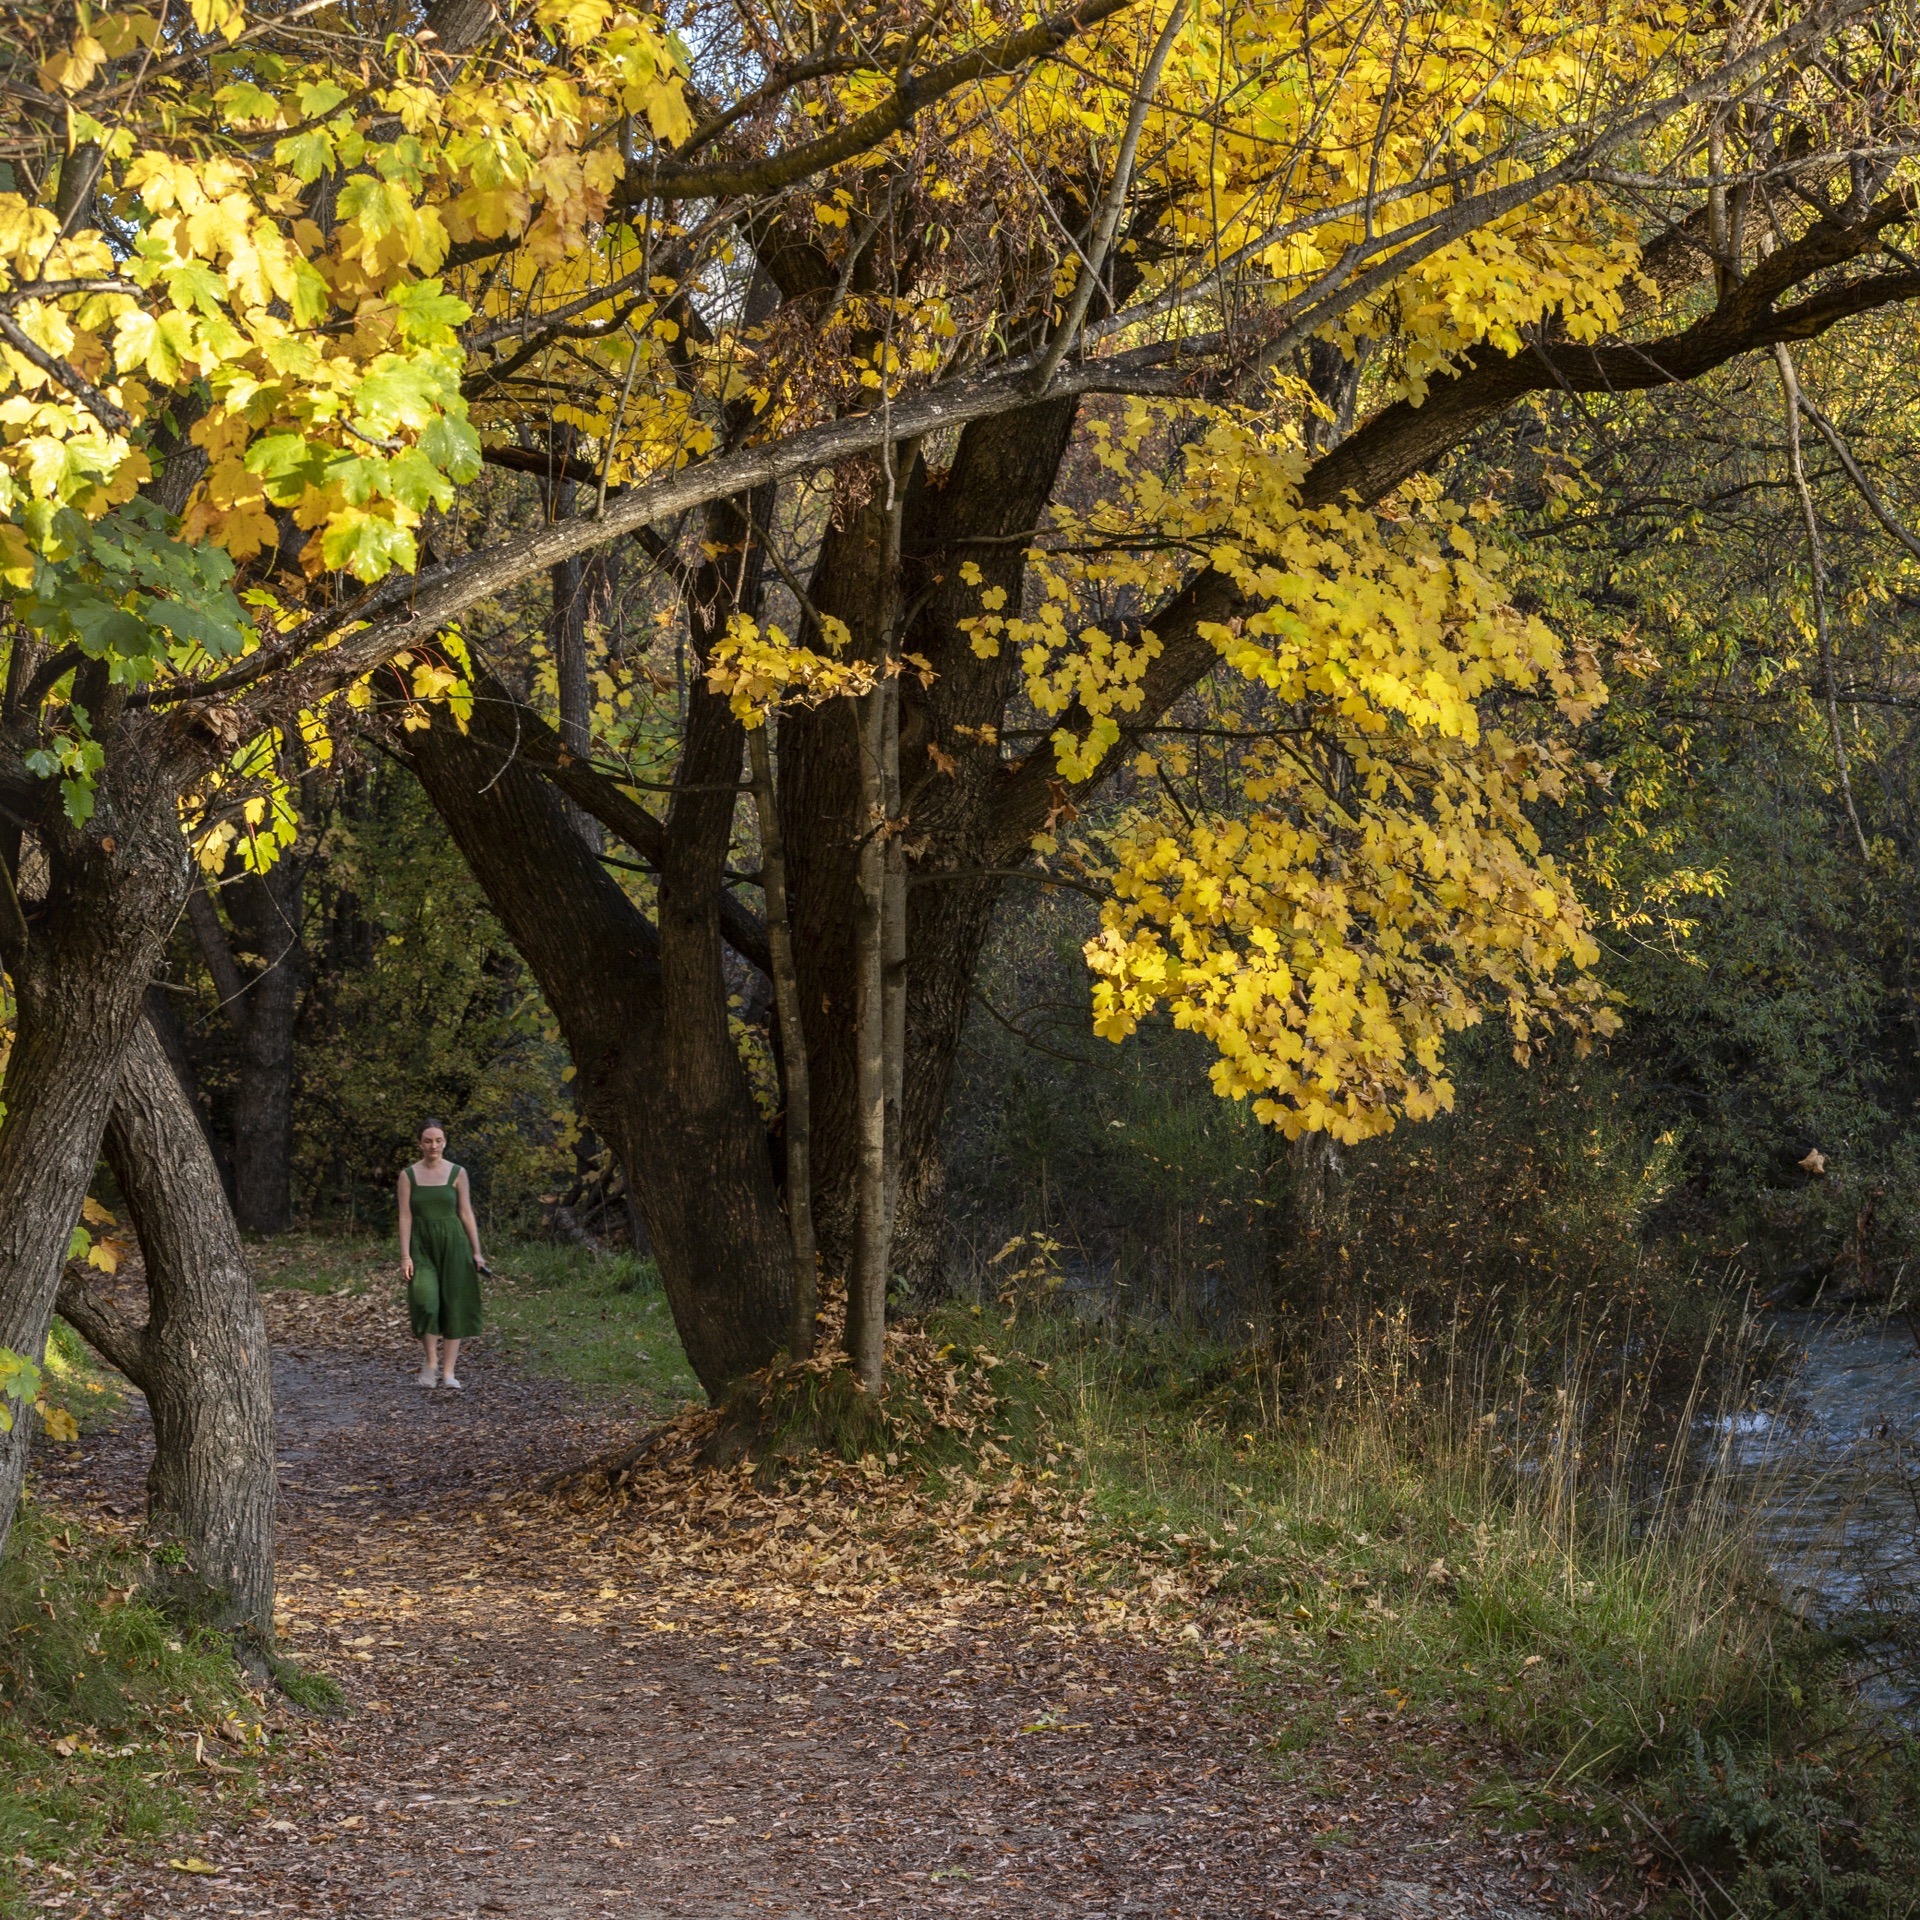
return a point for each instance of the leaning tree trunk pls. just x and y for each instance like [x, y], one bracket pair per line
[202, 1359]
[80, 955]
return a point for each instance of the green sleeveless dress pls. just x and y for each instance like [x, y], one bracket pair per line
[444, 1294]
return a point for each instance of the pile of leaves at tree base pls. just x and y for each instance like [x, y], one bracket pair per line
[949, 1494]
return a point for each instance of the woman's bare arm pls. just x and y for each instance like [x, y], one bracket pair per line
[406, 1230]
[464, 1201]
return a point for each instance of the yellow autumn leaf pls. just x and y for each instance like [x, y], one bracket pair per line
[58, 1422]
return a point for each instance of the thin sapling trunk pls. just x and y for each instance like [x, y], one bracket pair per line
[880, 974]
[893, 955]
[867, 1288]
[793, 1044]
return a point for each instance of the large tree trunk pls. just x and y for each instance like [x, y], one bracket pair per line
[997, 488]
[644, 1013]
[202, 1359]
[91, 943]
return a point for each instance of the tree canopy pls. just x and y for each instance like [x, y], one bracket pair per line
[296, 279]
[999, 403]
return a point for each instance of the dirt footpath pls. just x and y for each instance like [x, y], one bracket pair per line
[538, 1728]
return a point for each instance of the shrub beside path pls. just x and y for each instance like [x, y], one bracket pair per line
[600, 1708]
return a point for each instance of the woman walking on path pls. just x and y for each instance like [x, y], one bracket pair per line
[439, 1256]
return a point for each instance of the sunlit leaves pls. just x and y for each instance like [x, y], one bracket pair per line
[399, 393]
[429, 315]
[388, 227]
[19, 1384]
[73, 67]
[453, 447]
[125, 591]
[366, 545]
[225, 17]
[264, 823]
[758, 669]
[1326, 942]
[336, 343]
[1374, 882]
[306, 154]
[337, 276]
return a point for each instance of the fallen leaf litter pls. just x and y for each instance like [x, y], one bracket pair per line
[687, 1695]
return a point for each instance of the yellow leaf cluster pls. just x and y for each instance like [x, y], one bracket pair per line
[1326, 948]
[757, 669]
[329, 346]
[1373, 881]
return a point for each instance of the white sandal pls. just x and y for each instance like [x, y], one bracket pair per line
[423, 1379]
[459, 1386]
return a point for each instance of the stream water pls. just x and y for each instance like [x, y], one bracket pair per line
[1834, 1469]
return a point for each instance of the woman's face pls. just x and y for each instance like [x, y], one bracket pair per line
[433, 1143]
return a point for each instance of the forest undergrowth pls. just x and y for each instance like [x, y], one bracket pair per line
[1477, 1540]
[117, 1723]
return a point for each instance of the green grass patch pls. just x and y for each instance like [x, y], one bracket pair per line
[73, 1379]
[600, 1321]
[102, 1702]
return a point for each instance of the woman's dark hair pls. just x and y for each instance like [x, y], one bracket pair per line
[425, 1124]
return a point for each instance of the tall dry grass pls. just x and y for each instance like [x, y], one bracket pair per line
[1536, 1528]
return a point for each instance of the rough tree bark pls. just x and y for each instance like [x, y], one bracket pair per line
[668, 1094]
[202, 1358]
[80, 954]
